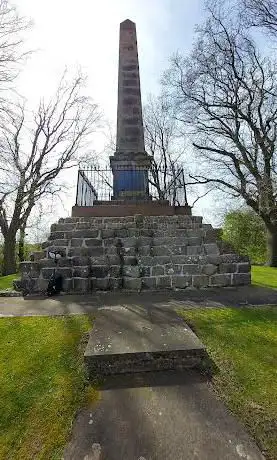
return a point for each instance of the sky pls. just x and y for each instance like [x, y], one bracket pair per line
[85, 33]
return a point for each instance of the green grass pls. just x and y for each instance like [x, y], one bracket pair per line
[42, 384]
[264, 276]
[243, 345]
[6, 282]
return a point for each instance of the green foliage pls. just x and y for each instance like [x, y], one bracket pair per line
[246, 232]
[242, 342]
[28, 249]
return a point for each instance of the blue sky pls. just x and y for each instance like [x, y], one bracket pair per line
[85, 33]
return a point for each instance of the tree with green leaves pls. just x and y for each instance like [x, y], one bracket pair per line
[246, 232]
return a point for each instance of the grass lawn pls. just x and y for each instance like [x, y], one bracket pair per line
[264, 276]
[6, 282]
[42, 384]
[243, 345]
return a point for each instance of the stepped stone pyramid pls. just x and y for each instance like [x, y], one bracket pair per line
[153, 245]
[137, 252]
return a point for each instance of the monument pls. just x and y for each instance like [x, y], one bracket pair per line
[130, 163]
[133, 241]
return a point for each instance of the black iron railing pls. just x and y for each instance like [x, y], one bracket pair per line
[96, 184]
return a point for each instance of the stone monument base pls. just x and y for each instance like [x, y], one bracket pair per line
[118, 208]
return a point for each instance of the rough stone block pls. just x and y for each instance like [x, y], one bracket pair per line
[209, 269]
[81, 272]
[144, 250]
[129, 260]
[99, 271]
[173, 269]
[182, 281]
[76, 242]
[101, 283]
[211, 248]
[191, 269]
[86, 233]
[64, 262]
[200, 281]
[61, 243]
[227, 268]
[133, 284]
[80, 285]
[213, 259]
[93, 242]
[233, 258]
[114, 271]
[108, 233]
[46, 272]
[241, 279]
[194, 250]
[48, 263]
[121, 232]
[195, 241]
[112, 259]
[80, 261]
[132, 271]
[149, 283]
[57, 236]
[157, 270]
[144, 271]
[42, 284]
[161, 251]
[164, 282]
[30, 268]
[243, 267]
[67, 285]
[162, 260]
[221, 280]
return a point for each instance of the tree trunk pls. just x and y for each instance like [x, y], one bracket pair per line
[272, 246]
[21, 245]
[9, 257]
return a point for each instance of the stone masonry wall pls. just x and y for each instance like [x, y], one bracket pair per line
[137, 253]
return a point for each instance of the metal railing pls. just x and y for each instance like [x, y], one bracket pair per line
[96, 184]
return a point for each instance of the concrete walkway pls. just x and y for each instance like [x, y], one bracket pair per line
[78, 304]
[159, 416]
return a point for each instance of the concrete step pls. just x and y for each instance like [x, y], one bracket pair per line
[130, 341]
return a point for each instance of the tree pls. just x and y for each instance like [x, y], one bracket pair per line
[225, 94]
[33, 152]
[246, 232]
[261, 13]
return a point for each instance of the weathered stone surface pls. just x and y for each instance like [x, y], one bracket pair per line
[164, 282]
[241, 278]
[133, 284]
[211, 248]
[80, 261]
[81, 272]
[194, 241]
[114, 271]
[130, 260]
[191, 269]
[100, 271]
[194, 250]
[233, 258]
[182, 281]
[132, 271]
[173, 269]
[199, 281]
[76, 242]
[209, 269]
[67, 285]
[108, 233]
[243, 267]
[157, 270]
[149, 282]
[89, 242]
[227, 268]
[221, 280]
[86, 233]
[80, 284]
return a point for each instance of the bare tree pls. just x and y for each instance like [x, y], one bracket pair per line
[261, 13]
[167, 149]
[226, 97]
[33, 152]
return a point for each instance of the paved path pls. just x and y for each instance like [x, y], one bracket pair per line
[159, 416]
[62, 305]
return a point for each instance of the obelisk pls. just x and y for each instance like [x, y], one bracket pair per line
[130, 162]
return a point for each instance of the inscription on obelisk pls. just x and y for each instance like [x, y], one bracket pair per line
[130, 162]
